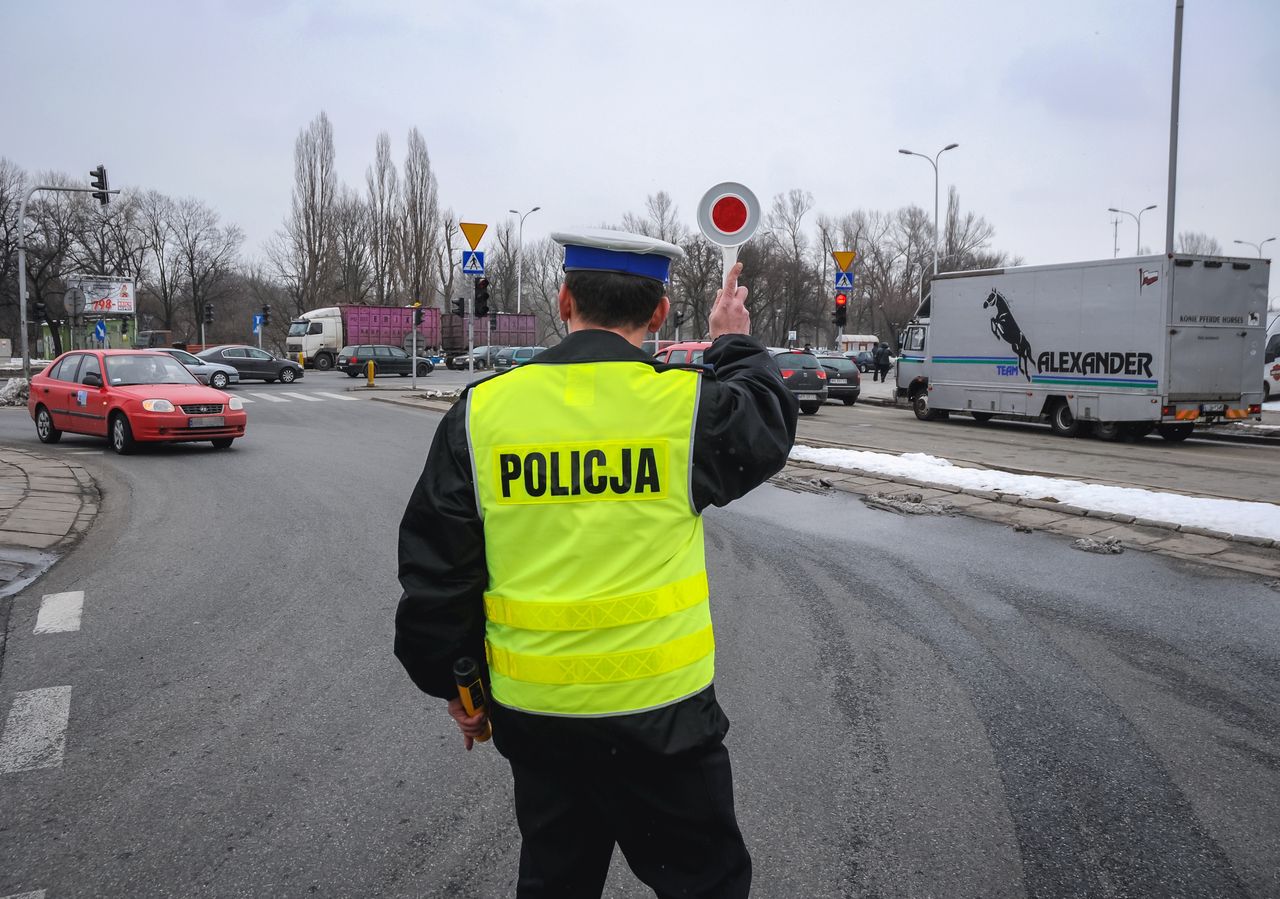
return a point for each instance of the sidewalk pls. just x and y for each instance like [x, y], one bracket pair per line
[45, 506]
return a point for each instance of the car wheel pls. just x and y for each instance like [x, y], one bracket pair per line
[218, 379]
[353, 373]
[122, 435]
[44, 426]
[287, 375]
[222, 442]
[424, 369]
[323, 362]
[1063, 423]
[920, 406]
[850, 400]
[810, 408]
[1108, 430]
[1176, 433]
[981, 417]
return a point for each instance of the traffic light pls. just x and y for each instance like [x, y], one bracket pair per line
[842, 310]
[677, 319]
[482, 297]
[99, 182]
[208, 313]
[266, 314]
[417, 314]
[460, 306]
[124, 327]
[42, 312]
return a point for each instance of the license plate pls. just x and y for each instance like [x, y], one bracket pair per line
[207, 421]
[839, 380]
[1213, 407]
[806, 396]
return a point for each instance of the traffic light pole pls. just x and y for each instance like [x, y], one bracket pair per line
[471, 332]
[22, 265]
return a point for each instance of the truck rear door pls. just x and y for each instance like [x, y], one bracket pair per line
[1217, 328]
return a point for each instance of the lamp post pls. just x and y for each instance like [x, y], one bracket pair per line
[1256, 246]
[933, 162]
[520, 252]
[1137, 218]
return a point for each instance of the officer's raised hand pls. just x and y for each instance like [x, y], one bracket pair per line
[729, 313]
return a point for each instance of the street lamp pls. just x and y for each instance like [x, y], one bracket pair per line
[520, 252]
[1137, 218]
[1256, 246]
[933, 162]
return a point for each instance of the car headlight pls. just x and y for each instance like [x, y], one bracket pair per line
[157, 405]
[236, 404]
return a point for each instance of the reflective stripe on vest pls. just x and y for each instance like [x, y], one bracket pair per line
[597, 598]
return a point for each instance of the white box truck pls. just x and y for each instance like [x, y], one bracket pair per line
[1120, 347]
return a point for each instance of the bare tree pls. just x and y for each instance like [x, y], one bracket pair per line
[695, 280]
[1197, 243]
[419, 222]
[384, 199]
[543, 275]
[500, 267]
[12, 189]
[661, 219]
[164, 281]
[303, 252]
[446, 257]
[207, 253]
[353, 271]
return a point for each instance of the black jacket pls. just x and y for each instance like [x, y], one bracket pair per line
[745, 428]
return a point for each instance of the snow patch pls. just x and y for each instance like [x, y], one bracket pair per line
[1229, 515]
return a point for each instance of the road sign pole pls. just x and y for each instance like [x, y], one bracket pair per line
[471, 332]
[413, 351]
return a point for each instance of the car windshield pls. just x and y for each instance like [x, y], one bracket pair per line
[184, 358]
[506, 354]
[839, 363]
[797, 360]
[347, 351]
[298, 329]
[125, 370]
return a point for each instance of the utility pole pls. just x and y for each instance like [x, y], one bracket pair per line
[1115, 237]
[1173, 125]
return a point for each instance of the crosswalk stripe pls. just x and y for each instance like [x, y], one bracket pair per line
[60, 612]
[35, 733]
[302, 396]
[245, 399]
[34, 894]
[338, 396]
[269, 398]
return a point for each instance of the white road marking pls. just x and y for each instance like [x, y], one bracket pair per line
[338, 396]
[60, 612]
[245, 399]
[269, 398]
[302, 396]
[35, 733]
[34, 894]
[83, 453]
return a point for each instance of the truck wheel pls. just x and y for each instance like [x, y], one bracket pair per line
[1176, 433]
[323, 362]
[1108, 430]
[981, 417]
[1063, 423]
[920, 406]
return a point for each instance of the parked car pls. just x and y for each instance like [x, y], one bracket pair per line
[215, 374]
[844, 383]
[805, 377]
[688, 352]
[515, 356]
[386, 359]
[863, 359]
[130, 396]
[253, 363]
[485, 357]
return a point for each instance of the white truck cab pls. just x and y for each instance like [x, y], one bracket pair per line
[317, 335]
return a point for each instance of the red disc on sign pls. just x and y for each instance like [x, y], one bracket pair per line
[728, 214]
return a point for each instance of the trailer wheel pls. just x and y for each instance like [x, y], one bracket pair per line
[323, 362]
[920, 406]
[1176, 433]
[1063, 423]
[1139, 429]
[981, 417]
[1108, 430]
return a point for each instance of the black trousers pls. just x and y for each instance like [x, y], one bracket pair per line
[882, 373]
[672, 816]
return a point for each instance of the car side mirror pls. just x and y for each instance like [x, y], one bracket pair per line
[92, 379]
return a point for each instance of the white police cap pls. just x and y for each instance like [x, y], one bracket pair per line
[604, 250]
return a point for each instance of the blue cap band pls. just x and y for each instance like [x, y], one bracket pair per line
[593, 259]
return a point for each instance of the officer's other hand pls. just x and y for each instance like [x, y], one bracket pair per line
[729, 313]
[471, 726]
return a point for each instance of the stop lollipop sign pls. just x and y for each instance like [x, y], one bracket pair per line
[728, 215]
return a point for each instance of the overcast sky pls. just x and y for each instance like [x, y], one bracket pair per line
[584, 108]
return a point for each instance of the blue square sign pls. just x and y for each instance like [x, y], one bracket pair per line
[472, 262]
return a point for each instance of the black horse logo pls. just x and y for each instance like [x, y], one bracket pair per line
[1006, 329]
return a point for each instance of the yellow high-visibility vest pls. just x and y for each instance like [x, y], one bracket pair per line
[597, 597]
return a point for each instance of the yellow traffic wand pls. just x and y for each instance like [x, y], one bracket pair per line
[466, 673]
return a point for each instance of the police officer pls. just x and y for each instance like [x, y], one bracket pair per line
[556, 535]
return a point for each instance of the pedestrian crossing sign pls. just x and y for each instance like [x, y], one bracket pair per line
[844, 280]
[472, 262]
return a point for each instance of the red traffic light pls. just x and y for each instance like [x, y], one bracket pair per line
[842, 300]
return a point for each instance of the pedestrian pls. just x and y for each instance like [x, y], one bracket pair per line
[883, 359]
[808, 349]
[555, 535]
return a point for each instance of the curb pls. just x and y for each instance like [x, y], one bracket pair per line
[1241, 553]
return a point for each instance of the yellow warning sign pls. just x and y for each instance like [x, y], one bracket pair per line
[473, 232]
[843, 258]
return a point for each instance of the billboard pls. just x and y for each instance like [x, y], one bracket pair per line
[104, 295]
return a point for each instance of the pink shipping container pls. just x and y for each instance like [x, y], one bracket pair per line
[389, 324]
[511, 330]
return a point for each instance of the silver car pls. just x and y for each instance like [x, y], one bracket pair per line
[215, 374]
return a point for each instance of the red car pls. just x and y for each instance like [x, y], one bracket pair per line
[130, 396]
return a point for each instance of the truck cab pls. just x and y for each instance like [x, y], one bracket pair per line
[317, 335]
[911, 377]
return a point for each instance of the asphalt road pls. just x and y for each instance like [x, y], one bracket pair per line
[921, 707]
